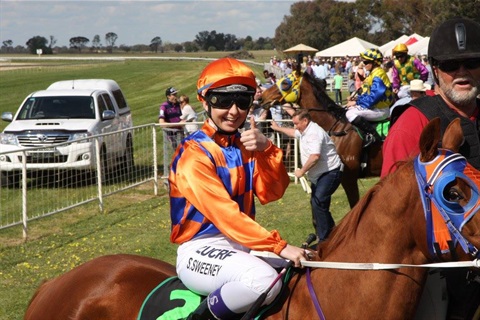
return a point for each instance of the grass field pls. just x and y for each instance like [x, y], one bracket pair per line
[135, 221]
[143, 81]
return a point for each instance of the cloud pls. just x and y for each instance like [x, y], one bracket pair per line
[137, 22]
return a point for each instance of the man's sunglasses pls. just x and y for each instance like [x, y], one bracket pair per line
[452, 65]
[226, 100]
[400, 55]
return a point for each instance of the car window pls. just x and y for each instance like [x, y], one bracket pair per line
[108, 102]
[101, 105]
[57, 108]
[121, 102]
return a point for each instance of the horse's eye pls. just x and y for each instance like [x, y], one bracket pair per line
[452, 194]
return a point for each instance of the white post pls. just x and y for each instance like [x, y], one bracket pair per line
[24, 195]
[155, 162]
[295, 156]
[99, 173]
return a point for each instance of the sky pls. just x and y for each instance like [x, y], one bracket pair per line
[138, 22]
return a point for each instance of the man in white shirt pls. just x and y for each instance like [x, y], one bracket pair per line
[322, 165]
[319, 70]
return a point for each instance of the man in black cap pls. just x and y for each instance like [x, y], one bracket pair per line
[454, 54]
[170, 112]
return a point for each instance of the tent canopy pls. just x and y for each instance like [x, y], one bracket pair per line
[419, 47]
[300, 48]
[386, 49]
[412, 40]
[351, 47]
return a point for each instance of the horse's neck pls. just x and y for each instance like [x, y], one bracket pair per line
[321, 115]
[385, 227]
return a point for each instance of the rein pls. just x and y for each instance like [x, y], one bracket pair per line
[370, 266]
[329, 131]
[387, 266]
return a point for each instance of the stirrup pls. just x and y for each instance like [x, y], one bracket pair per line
[369, 139]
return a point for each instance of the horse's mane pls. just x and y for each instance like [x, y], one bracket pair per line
[348, 225]
[323, 98]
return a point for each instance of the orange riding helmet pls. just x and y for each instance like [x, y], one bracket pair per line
[224, 72]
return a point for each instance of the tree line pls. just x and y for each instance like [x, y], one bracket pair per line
[324, 23]
[205, 40]
[319, 23]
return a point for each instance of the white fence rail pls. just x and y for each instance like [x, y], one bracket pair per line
[31, 194]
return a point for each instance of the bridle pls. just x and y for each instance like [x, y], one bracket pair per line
[445, 219]
[289, 88]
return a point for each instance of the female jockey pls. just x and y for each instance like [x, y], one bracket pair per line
[376, 98]
[214, 176]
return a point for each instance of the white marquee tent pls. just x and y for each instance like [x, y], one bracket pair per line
[417, 47]
[386, 49]
[420, 47]
[351, 47]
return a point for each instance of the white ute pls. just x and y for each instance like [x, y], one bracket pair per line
[59, 119]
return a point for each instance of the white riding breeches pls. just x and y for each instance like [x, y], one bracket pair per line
[368, 114]
[208, 263]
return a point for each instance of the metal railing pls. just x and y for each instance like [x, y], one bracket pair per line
[29, 194]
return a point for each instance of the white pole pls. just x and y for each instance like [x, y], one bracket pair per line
[24, 195]
[99, 173]
[155, 162]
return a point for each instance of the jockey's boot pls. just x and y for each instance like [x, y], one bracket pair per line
[214, 310]
[202, 312]
[369, 129]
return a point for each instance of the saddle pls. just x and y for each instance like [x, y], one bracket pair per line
[172, 300]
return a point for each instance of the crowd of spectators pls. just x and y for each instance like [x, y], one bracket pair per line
[349, 67]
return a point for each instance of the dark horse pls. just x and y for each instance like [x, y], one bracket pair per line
[389, 225]
[331, 117]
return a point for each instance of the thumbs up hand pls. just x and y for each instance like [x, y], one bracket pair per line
[253, 139]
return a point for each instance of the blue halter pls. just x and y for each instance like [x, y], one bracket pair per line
[433, 178]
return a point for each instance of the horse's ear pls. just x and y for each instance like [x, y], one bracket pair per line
[453, 137]
[429, 140]
[298, 70]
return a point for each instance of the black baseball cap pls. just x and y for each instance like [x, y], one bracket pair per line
[170, 91]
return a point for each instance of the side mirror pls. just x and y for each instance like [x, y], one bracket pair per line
[108, 115]
[7, 116]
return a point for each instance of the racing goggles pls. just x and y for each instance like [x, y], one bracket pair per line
[452, 65]
[225, 100]
[225, 97]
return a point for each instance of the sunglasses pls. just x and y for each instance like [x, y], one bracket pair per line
[398, 56]
[452, 65]
[367, 62]
[217, 100]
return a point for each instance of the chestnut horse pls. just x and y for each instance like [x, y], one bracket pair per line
[389, 225]
[331, 117]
